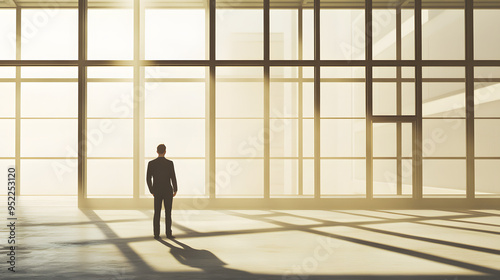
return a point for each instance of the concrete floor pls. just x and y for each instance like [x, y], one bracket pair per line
[56, 240]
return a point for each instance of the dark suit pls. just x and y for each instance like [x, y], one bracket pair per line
[164, 183]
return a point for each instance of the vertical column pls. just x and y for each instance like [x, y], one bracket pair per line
[368, 98]
[300, 107]
[418, 164]
[82, 102]
[211, 101]
[469, 95]
[18, 103]
[267, 160]
[139, 94]
[399, 168]
[317, 101]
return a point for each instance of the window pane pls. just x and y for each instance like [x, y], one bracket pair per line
[342, 34]
[284, 177]
[175, 34]
[183, 138]
[49, 34]
[7, 99]
[486, 42]
[240, 138]
[110, 100]
[49, 72]
[49, 100]
[343, 177]
[443, 34]
[240, 33]
[342, 99]
[384, 99]
[175, 100]
[7, 136]
[487, 99]
[487, 138]
[384, 139]
[49, 138]
[343, 138]
[308, 138]
[284, 34]
[444, 138]
[384, 177]
[487, 177]
[8, 34]
[110, 177]
[49, 177]
[445, 177]
[384, 34]
[407, 34]
[284, 137]
[239, 177]
[109, 138]
[110, 34]
[443, 99]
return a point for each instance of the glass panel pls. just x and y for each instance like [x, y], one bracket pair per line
[384, 34]
[110, 177]
[8, 34]
[342, 34]
[109, 138]
[444, 138]
[172, 34]
[384, 140]
[308, 138]
[406, 140]
[385, 177]
[408, 34]
[284, 34]
[183, 138]
[308, 177]
[239, 177]
[240, 92]
[284, 137]
[49, 34]
[407, 176]
[487, 99]
[384, 99]
[486, 42]
[169, 100]
[239, 138]
[8, 136]
[110, 100]
[408, 99]
[487, 138]
[49, 138]
[49, 177]
[117, 72]
[443, 34]
[343, 177]
[342, 99]
[284, 177]
[487, 177]
[443, 99]
[49, 100]
[49, 72]
[240, 33]
[7, 99]
[343, 138]
[308, 34]
[110, 34]
[444, 177]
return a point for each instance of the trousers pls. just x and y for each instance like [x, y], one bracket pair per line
[167, 203]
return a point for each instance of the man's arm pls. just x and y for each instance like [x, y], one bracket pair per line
[174, 179]
[149, 175]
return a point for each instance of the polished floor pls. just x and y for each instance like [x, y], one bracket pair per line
[56, 240]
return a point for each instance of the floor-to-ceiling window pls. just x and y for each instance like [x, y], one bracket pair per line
[261, 99]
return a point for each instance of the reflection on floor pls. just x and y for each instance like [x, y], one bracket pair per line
[56, 240]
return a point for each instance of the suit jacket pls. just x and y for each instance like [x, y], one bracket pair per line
[161, 170]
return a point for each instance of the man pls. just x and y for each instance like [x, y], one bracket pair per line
[163, 188]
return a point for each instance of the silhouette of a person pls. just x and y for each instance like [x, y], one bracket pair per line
[162, 184]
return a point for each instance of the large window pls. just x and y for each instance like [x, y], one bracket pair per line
[386, 99]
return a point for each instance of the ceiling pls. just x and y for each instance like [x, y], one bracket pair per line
[380, 4]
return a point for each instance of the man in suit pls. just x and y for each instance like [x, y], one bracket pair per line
[163, 187]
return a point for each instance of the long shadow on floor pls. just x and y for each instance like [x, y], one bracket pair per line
[201, 259]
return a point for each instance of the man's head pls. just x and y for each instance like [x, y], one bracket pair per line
[161, 150]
